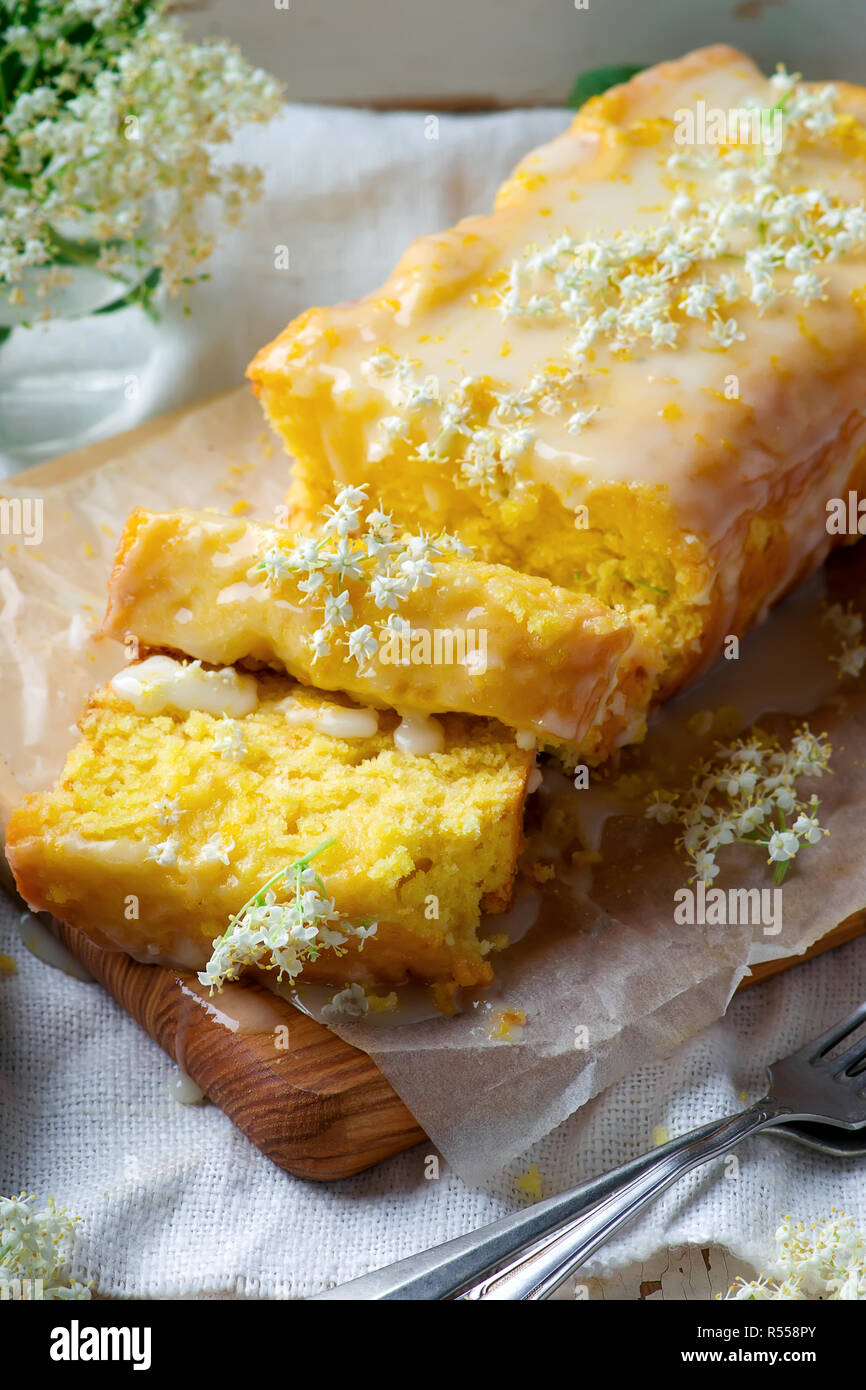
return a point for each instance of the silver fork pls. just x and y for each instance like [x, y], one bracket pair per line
[473, 1266]
[809, 1086]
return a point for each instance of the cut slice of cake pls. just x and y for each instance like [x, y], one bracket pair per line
[641, 377]
[190, 789]
[440, 632]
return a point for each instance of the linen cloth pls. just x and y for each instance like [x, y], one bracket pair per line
[175, 1202]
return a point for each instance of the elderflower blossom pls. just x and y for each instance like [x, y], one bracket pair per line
[167, 811]
[645, 281]
[216, 850]
[824, 1260]
[734, 231]
[283, 935]
[165, 851]
[109, 124]
[351, 1001]
[356, 549]
[847, 626]
[486, 455]
[230, 742]
[745, 794]
[32, 1262]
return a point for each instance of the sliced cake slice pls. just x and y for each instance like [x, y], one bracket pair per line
[403, 623]
[191, 789]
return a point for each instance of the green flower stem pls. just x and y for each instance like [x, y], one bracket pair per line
[71, 252]
[257, 898]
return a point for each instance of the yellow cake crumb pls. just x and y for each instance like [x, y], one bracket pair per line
[382, 1003]
[162, 826]
[506, 1022]
[530, 1183]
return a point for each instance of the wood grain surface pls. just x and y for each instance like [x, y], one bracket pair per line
[316, 1106]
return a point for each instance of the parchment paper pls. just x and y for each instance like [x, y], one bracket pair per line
[606, 979]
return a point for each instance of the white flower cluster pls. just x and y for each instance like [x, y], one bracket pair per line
[283, 935]
[824, 1260]
[847, 625]
[31, 1241]
[644, 285]
[104, 106]
[369, 552]
[215, 850]
[747, 794]
[351, 1002]
[764, 240]
[230, 742]
[485, 454]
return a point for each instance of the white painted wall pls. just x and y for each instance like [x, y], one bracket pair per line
[512, 52]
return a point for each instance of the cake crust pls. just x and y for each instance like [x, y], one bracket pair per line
[534, 656]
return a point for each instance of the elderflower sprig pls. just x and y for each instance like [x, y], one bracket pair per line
[32, 1250]
[847, 626]
[283, 935]
[824, 1260]
[108, 123]
[486, 455]
[746, 793]
[356, 549]
[739, 227]
[645, 284]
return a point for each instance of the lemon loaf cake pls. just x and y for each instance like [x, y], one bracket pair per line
[641, 377]
[467, 636]
[190, 789]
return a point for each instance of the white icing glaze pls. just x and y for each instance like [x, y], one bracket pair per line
[418, 734]
[185, 1091]
[45, 946]
[161, 683]
[520, 917]
[339, 721]
[553, 723]
[241, 591]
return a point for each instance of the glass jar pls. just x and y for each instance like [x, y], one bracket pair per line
[76, 346]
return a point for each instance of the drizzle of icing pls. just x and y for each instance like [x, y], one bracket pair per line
[339, 721]
[161, 683]
[44, 945]
[418, 734]
[185, 1091]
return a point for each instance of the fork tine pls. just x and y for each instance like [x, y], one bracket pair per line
[819, 1047]
[849, 1059]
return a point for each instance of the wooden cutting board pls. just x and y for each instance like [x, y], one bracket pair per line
[316, 1106]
